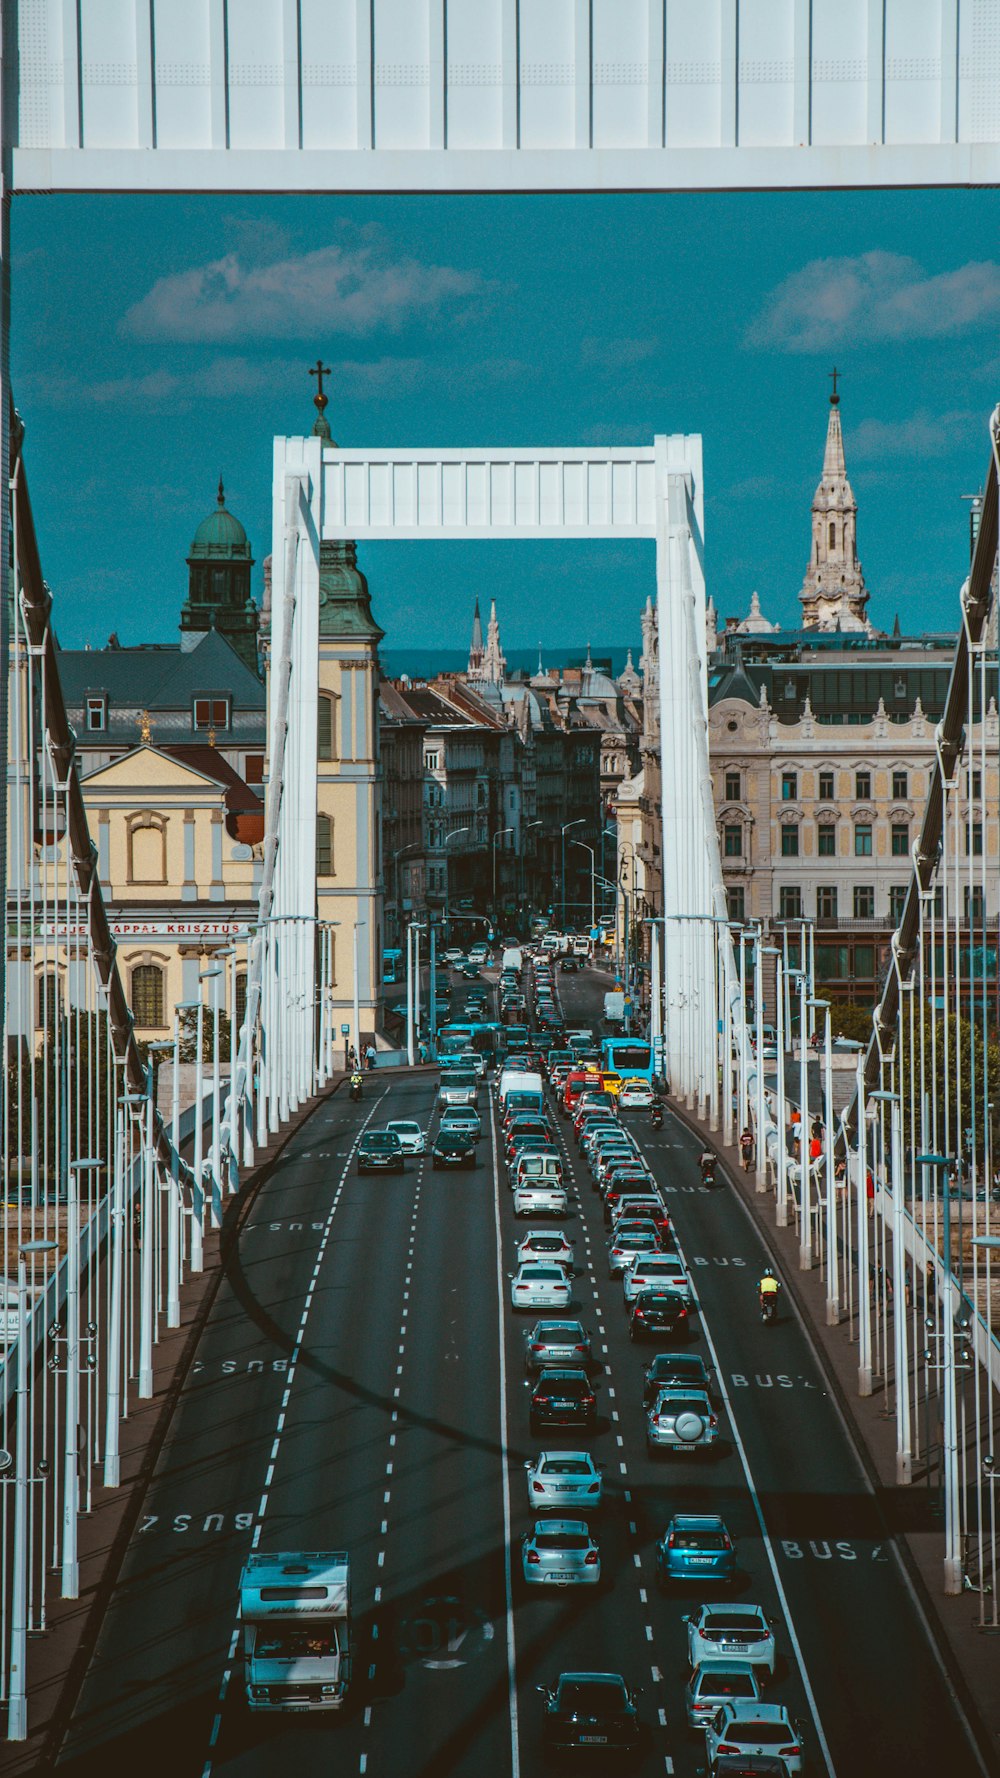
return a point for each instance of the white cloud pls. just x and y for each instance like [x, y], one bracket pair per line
[919, 437]
[333, 290]
[875, 296]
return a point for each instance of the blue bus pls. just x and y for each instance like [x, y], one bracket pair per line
[392, 966]
[486, 1038]
[631, 1057]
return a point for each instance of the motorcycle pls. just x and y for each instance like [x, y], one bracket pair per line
[708, 1176]
[355, 1090]
[768, 1306]
[656, 1117]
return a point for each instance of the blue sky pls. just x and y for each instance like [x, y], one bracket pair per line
[159, 341]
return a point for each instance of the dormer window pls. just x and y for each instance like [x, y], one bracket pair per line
[210, 713]
[97, 713]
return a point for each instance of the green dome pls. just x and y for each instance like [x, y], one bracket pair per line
[220, 536]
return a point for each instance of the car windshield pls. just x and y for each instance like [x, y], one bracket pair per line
[381, 1139]
[699, 1540]
[566, 1466]
[559, 1331]
[591, 1696]
[543, 1274]
[562, 1540]
[401, 1129]
[727, 1685]
[281, 1643]
[762, 1734]
[460, 1077]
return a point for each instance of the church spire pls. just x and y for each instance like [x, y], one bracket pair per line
[476, 650]
[494, 664]
[834, 595]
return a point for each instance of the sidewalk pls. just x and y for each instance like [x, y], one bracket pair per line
[58, 1658]
[970, 1656]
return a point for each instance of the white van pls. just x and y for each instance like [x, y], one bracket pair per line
[537, 1169]
[518, 1080]
[512, 959]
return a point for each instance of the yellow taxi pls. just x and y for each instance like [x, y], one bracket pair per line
[611, 1082]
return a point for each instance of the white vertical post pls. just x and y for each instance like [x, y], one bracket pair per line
[832, 1250]
[17, 1702]
[216, 1158]
[146, 1225]
[760, 1153]
[71, 1459]
[952, 1501]
[198, 1188]
[112, 1462]
[357, 1016]
[409, 996]
[900, 1339]
[864, 1267]
[174, 1201]
[781, 1195]
[805, 1196]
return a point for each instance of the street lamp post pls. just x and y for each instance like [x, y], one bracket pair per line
[455, 834]
[805, 1141]
[17, 1700]
[832, 1252]
[900, 1341]
[593, 878]
[949, 1305]
[581, 821]
[524, 860]
[211, 975]
[493, 842]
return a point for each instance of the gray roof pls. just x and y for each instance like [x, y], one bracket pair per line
[160, 678]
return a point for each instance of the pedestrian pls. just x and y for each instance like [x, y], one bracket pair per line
[352, 1059]
[422, 1047]
[369, 1055]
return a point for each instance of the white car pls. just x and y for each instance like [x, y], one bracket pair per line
[718, 1682]
[453, 955]
[411, 1136]
[563, 1479]
[461, 1120]
[479, 953]
[537, 1198]
[546, 1244]
[741, 1630]
[539, 1285]
[635, 1094]
[655, 1271]
[752, 1730]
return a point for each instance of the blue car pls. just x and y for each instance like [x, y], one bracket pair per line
[695, 1547]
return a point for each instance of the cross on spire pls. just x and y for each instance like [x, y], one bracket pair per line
[834, 374]
[319, 370]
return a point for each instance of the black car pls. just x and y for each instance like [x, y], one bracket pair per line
[569, 966]
[658, 1315]
[380, 1151]
[562, 1397]
[675, 1370]
[453, 1148]
[749, 1765]
[590, 1711]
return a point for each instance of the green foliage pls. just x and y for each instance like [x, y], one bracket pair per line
[851, 1021]
[189, 1035]
[71, 1075]
[965, 1070]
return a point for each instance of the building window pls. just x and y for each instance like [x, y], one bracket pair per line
[432, 761]
[789, 786]
[147, 849]
[974, 838]
[789, 842]
[734, 787]
[897, 902]
[97, 714]
[833, 534]
[977, 785]
[789, 902]
[210, 713]
[147, 995]
[900, 839]
[325, 727]
[862, 839]
[826, 787]
[826, 904]
[864, 901]
[736, 903]
[241, 999]
[864, 962]
[253, 770]
[975, 908]
[49, 999]
[733, 840]
[827, 840]
[900, 784]
[324, 846]
[863, 786]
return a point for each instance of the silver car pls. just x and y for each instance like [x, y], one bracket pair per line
[660, 1271]
[556, 1342]
[459, 1087]
[741, 1631]
[538, 1198]
[461, 1121]
[681, 1420]
[540, 1286]
[564, 1481]
[627, 1246]
[561, 1553]
[719, 1680]
[411, 1135]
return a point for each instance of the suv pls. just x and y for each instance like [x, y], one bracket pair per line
[380, 1151]
[453, 1148]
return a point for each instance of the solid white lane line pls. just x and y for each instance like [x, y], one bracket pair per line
[515, 1752]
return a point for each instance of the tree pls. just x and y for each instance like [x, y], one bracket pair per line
[955, 1049]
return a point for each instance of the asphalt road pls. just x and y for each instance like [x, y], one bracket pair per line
[360, 1384]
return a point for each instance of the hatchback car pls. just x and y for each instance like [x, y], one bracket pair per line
[675, 1370]
[747, 1727]
[718, 1682]
[411, 1135]
[550, 1244]
[562, 1396]
[658, 1315]
[589, 1710]
[560, 1553]
[560, 1481]
[695, 1546]
[461, 1121]
[627, 1246]
[537, 1198]
[540, 1286]
[633, 1094]
[680, 1420]
[742, 1630]
[380, 1151]
[556, 1342]
[452, 1148]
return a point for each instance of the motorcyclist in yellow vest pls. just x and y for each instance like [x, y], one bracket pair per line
[768, 1285]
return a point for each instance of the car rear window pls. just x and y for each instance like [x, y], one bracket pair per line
[728, 1685]
[724, 1620]
[765, 1734]
[591, 1698]
[566, 1466]
[679, 1405]
[698, 1540]
[562, 1540]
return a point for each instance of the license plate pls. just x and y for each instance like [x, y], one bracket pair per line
[594, 1740]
